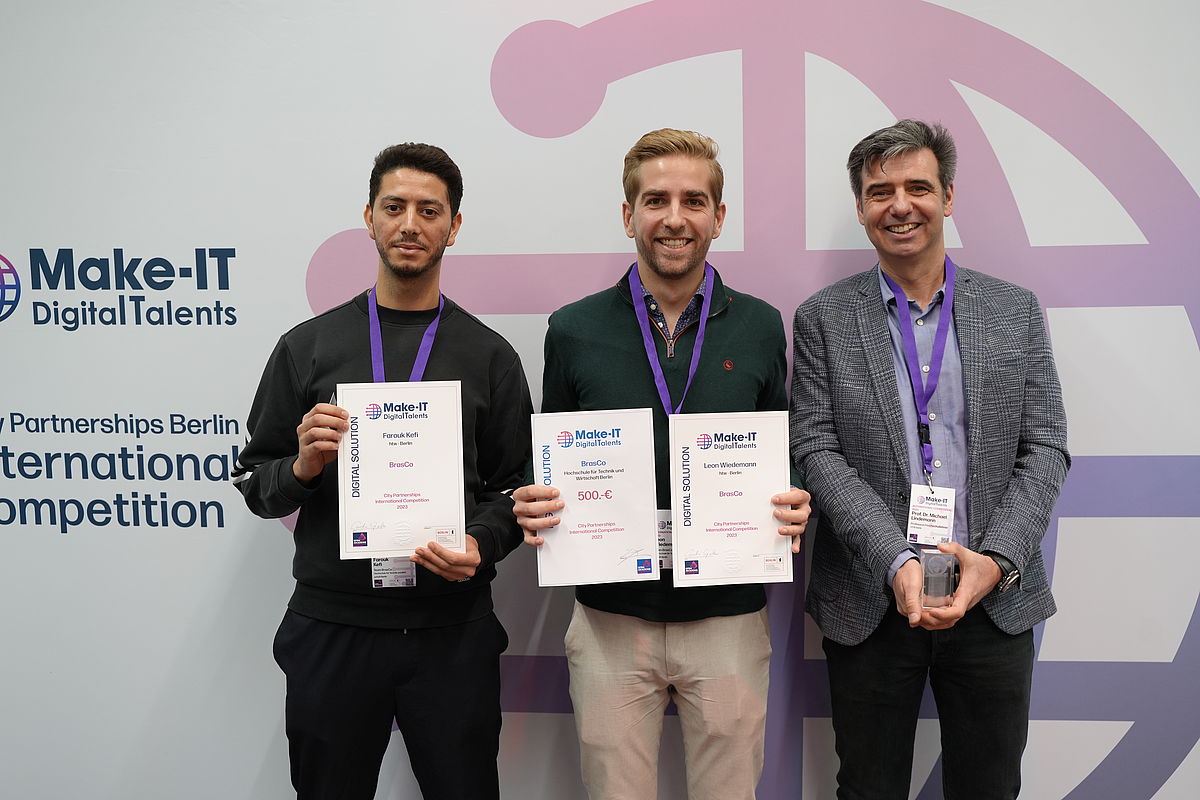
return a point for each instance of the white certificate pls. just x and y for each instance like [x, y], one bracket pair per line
[602, 462]
[400, 468]
[724, 470]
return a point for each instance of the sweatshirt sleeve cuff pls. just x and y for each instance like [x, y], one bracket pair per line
[290, 486]
[487, 544]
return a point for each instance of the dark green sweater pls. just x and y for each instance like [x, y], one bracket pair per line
[595, 359]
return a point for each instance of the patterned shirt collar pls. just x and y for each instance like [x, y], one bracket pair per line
[690, 314]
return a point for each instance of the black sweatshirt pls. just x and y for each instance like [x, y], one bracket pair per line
[304, 369]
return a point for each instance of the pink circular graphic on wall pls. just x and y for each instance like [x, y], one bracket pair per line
[549, 79]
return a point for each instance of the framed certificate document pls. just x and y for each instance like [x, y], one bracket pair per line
[724, 470]
[400, 468]
[603, 464]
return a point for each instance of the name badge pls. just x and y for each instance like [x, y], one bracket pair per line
[390, 573]
[930, 515]
[664, 538]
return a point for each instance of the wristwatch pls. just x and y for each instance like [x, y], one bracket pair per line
[1010, 576]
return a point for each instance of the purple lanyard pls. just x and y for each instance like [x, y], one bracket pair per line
[922, 391]
[418, 369]
[636, 293]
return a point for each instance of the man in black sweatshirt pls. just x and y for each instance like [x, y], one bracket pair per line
[367, 640]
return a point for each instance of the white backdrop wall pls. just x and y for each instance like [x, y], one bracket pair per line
[205, 165]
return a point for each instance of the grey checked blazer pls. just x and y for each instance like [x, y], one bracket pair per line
[847, 441]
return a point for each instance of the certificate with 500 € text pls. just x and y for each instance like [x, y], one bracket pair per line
[400, 468]
[724, 470]
[602, 462]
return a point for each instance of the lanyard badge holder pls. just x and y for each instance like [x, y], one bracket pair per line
[931, 521]
[660, 380]
[931, 508]
[391, 573]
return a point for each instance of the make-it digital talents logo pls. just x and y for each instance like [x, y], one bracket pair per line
[728, 441]
[590, 437]
[117, 290]
[392, 412]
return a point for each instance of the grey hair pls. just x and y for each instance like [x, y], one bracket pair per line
[906, 136]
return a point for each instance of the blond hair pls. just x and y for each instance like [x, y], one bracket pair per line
[671, 142]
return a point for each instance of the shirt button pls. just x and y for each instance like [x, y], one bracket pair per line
[924, 368]
[932, 416]
[653, 307]
[937, 463]
[919, 322]
[662, 324]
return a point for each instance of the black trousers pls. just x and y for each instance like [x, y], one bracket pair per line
[981, 680]
[346, 684]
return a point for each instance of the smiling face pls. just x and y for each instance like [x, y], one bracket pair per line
[903, 207]
[674, 216]
[411, 223]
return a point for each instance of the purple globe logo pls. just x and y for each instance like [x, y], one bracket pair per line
[373, 411]
[10, 288]
[704, 441]
[565, 439]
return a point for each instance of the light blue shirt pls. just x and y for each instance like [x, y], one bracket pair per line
[947, 407]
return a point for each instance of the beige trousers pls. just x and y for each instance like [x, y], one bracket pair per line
[623, 672]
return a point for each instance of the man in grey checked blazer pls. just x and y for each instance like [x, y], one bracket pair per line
[998, 434]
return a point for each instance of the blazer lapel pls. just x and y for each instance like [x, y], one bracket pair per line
[877, 350]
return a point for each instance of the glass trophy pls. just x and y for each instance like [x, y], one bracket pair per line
[941, 578]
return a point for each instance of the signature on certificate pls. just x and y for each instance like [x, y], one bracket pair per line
[701, 554]
[630, 553]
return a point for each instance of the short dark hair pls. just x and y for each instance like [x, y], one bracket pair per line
[423, 158]
[906, 136]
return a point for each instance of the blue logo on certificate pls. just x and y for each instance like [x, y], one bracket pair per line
[359, 539]
[644, 566]
[691, 567]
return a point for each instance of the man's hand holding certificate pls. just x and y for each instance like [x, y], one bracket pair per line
[595, 471]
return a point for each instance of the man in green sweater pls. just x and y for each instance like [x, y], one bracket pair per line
[631, 647]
